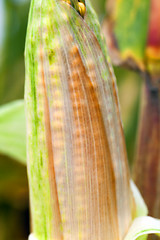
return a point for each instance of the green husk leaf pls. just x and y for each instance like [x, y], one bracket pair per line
[142, 226]
[13, 131]
[141, 208]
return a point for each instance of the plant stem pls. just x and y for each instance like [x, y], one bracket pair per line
[146, 171]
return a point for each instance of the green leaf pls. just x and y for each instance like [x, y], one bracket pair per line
[142, 226]
[12, 55]
[131, 27]
[12, 130]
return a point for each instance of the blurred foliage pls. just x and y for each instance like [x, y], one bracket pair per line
[129, 89]
[99, 7]
[12, 64]
[131, 35]
[132, 31]
[14, 223]
[13, 200]
[13, 178]
[12, 130]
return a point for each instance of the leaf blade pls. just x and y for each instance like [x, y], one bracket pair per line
[143, 226]
[12, 130]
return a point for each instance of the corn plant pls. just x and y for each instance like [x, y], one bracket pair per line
[78, 172]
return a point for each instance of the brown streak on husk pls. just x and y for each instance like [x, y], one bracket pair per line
[99, 170]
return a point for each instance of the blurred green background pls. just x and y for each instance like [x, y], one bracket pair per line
[14, 210]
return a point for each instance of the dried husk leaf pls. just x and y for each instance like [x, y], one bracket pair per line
[147, 162]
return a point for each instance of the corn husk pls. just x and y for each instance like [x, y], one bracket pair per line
[77, 164]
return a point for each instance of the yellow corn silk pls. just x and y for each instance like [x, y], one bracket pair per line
[77, 165]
